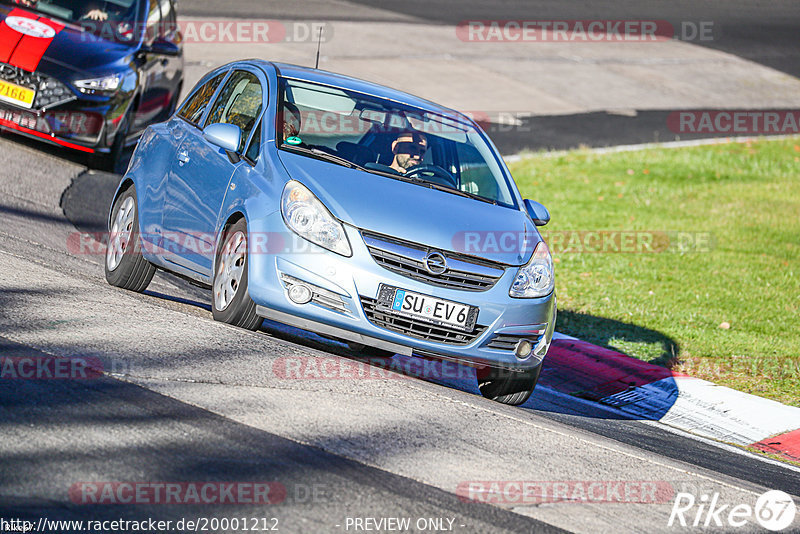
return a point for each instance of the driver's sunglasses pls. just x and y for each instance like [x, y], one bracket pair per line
[407, 147]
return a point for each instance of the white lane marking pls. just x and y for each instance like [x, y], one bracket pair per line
[569, 399]
[513, 158]
[709, 410]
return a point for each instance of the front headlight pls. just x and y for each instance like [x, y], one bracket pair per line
[104, 84]
[536, 278]
[310, 219]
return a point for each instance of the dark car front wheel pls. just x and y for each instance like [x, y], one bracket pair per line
[113, 160]
[506, 386]
[231, 302]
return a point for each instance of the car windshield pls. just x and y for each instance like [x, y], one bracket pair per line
[115, 20]
[389, 139]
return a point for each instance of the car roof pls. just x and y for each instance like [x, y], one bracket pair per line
[288, 70]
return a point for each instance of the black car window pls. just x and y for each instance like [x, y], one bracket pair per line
[239, 103]
[115, 20]
[193, 109]
[255, 145]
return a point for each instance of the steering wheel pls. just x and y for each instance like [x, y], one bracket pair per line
[433, 171]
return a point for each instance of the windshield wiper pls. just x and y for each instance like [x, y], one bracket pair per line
[459, 192]
[327, 156]
[336, 159]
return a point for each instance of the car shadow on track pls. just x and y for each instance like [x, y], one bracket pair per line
[568, 385]
[74, 156]
[616, 335]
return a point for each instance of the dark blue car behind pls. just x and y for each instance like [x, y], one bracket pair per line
[88, 75]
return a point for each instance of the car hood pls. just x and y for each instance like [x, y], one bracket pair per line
[416, 213]
[70, 51]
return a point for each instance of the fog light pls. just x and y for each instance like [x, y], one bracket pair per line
[300, 293]
[523, 349]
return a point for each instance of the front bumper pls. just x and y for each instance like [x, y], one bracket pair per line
[80, 124]
[345, 290]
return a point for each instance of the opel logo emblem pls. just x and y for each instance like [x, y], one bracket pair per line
[435, 263]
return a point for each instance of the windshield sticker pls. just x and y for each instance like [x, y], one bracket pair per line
[294, 140]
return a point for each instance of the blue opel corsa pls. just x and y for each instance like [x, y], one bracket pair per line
[347, 209]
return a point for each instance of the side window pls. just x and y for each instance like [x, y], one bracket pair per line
[193, 109]
[169, 23]
[238, 103]
[255, 145]
[476, 176]
[153, 22]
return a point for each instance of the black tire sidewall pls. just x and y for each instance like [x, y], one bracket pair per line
[129, 261]
[509, 387]
[241, 307]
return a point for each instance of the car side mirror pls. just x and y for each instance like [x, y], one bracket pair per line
[538, 212]
[225, 136]
[163, 47]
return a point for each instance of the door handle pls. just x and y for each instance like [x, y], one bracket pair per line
[183, 157]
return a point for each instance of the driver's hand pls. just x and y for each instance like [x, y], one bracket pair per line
[96, 14]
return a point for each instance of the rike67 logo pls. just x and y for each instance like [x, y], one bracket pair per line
[774, 511]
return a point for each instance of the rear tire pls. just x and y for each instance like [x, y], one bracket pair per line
[231, 302]
[125, 266]
[506, 386]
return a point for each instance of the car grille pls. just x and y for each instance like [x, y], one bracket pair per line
[416, 328]
[50, 92]
[408, 259]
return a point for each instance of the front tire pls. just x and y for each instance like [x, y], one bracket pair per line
[506, 386]
[112, 162]
[125, 266]
[231, 302]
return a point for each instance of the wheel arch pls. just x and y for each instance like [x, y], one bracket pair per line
[123, 186]
[233, 217]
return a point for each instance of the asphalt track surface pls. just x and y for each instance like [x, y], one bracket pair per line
[115, 430]
[763, 32]
[56, 433]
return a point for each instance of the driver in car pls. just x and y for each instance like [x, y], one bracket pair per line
[291, 121]
[409, 149]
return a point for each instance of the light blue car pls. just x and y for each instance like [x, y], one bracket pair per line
[347, 209]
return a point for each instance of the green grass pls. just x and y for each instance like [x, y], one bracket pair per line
[740, 205]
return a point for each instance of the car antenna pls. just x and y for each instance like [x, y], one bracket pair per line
[319, 41]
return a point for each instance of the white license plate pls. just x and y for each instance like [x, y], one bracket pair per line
[426, 308]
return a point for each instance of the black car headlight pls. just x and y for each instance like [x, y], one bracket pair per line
[102, 85]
